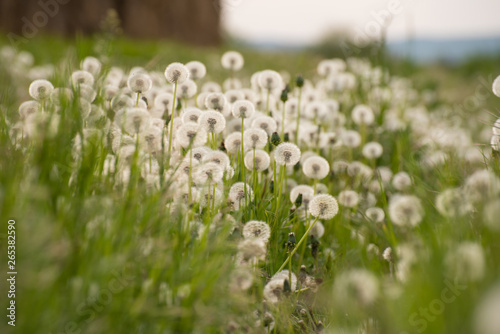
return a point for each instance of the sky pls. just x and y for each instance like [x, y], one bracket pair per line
[307, 21]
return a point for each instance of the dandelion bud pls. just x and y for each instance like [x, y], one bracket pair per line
[275, 139]
[299, 81]
[284, 95]
[176, 73]
[286, 137]
[298, 200]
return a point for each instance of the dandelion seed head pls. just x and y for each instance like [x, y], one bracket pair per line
[466, 262]
[287, 154]
[372, 150]
[362, 114]
[496, 86]
[453, 203]
[41, 89]
[323, 206]
[218, 157]
[233, 142]
[375, 214]
[356, 285]
[243, 109]
[254, 139]
[237, 193]
[486, 319]
[256, 229]
[176, 73]
[348, 198]
[82, 77]
[261, 161]
[191, 115]
[265, 123]
[306, 191]
[401, 181]
[29, 107]
[191, 134]
[212, 121]
[232, 60]
[351, 138]
[197, 70]
[269, 80]
[215, 101]
[316, 167]
[406, 210]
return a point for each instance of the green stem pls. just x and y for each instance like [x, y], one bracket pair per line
[298, 117]
[289, 258]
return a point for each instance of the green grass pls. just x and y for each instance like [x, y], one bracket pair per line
[94, 256]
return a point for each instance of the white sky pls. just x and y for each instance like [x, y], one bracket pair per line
[305, 21]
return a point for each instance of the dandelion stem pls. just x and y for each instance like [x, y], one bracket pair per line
[289, 258]
[298, 117]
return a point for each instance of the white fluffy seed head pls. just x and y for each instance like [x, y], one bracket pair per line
[176, 73]
[351, 138]
[256, 229]
[191, 134]
[237, 194]
[187, 89]
[372, 150]
[212, 121]
[401, 181]
[232, 60]
[91, 65]
[254, 139]
[139, 83]
[496, 86]
[362, 114]
[406, 210]
[466, 262]
[316, 167]
[348, 198]
[306, 191]
[375, 214]
[215, 101]
[486, 319]
[287, 154]
[197, 70]
[323, 206]
[265, 123]
[257, 159]
[243, 109]
[191, 115]
[82, 77]
[232, 143]
[29, 107]
[218, 157]
[452, 203]
[269, 80]
[41, 89]
[356, 286]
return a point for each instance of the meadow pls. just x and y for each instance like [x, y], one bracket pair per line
[160, 188]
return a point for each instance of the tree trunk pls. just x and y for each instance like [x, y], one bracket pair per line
[192, 21]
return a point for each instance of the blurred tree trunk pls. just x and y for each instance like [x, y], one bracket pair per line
[192, 21]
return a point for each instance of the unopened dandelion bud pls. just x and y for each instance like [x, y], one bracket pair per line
[290, 244]
[275, 139]
[299, 81]
[298, 201]
[284, 95]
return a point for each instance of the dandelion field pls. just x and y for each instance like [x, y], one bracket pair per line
[194, 192]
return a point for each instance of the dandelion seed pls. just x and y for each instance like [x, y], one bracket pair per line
[406, 210]
[261, 161]
[212, 121]
[191, 115]
[356, 285]
[243, 109]
[375, 214]
[82, 77]
[237, 193]
[287, 154]
[254, 139]
[232, 60]
[316, 167]
[348, 198]
[191, 135]
[372, 150]
[91, 65]
[232, 143]
[176, 73]
[323, 207]
[256, 229]
[362, 114]
[197, 70]
[139, 83]
[265, 123]
[187, 89]
[401, 181]
[41, 89]
[466, 262]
